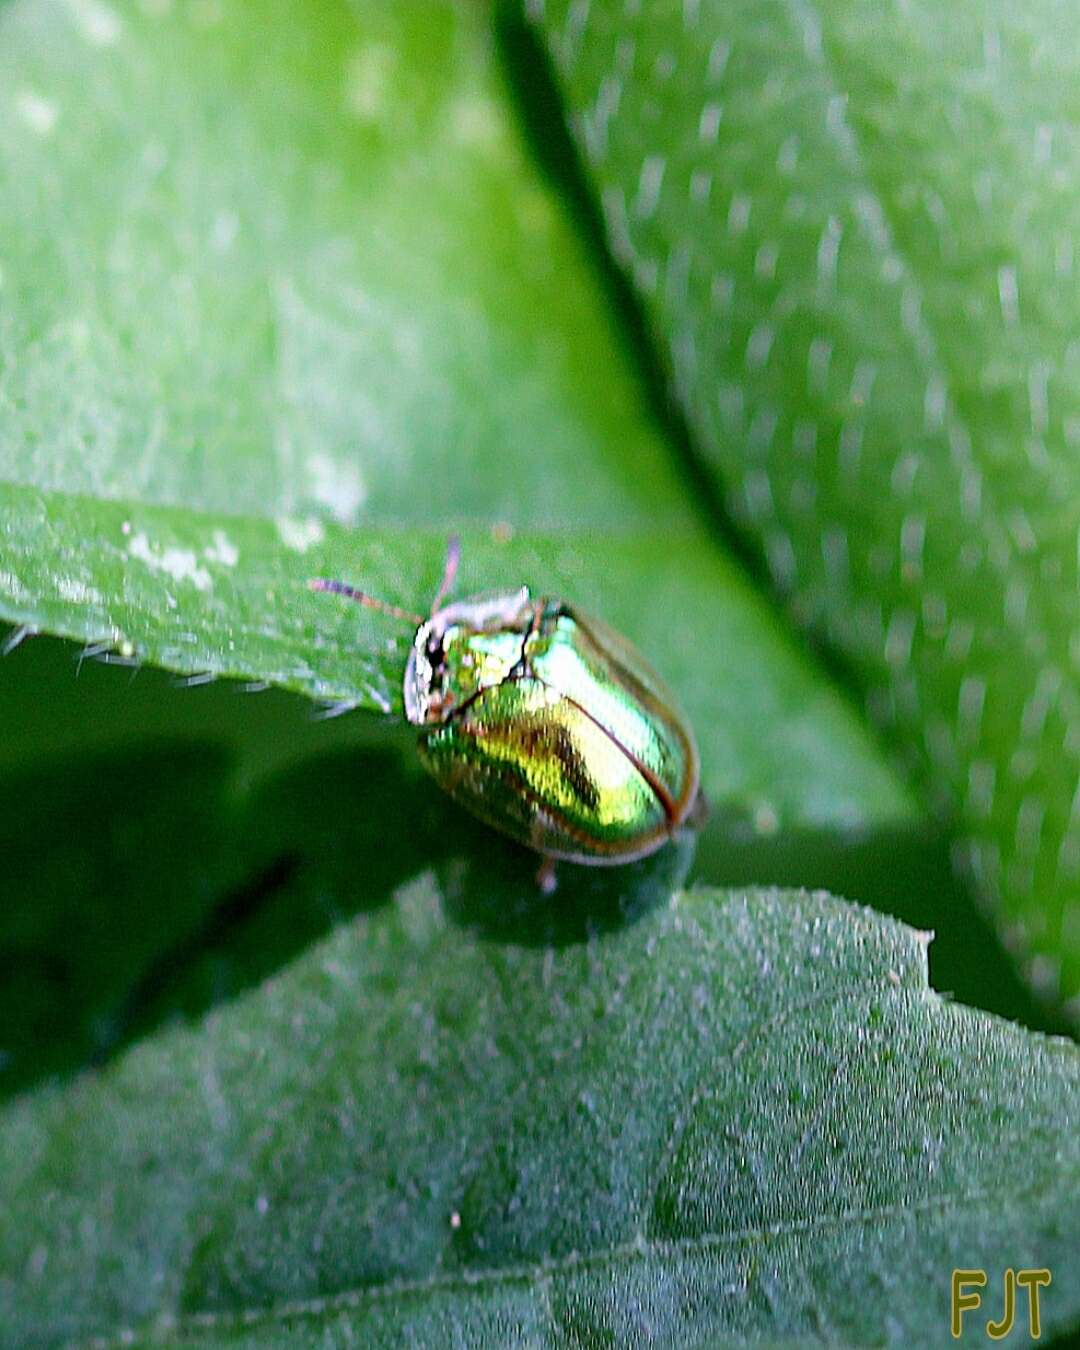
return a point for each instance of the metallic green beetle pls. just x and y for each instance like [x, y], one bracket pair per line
[545, 723]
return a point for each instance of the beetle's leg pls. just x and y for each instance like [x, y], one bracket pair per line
[546, 879]
[699, 811]
[450, 567]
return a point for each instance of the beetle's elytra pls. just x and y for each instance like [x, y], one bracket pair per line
[545, 723]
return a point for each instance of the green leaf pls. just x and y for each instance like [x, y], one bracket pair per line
[294, 305]
[309, 273]
[225, 798]
[744, 1114]
[852, 234]
[774, 738]
[76, 930]
[282, 292]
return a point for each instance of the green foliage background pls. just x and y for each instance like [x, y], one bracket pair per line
[292, 1051]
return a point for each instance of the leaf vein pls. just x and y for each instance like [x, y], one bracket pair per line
[162, 1329]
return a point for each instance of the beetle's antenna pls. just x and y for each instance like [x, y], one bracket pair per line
[362, 598]
[453, 557]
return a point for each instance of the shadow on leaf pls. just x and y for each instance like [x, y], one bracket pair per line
[141, 888]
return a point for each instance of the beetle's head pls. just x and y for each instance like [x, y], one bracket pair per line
[463, 648]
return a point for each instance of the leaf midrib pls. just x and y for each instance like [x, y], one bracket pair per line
[541, 1272]
[637, 1248]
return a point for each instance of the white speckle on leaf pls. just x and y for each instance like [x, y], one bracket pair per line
[766, 820]
[224, 230]
[1020, 528]
[77, 592]
[709, 124]
[958, 640]
[892, 268]
[649, 183]
[935, 402]
[765, 261]
[912, 539]
[719, 53]
[811, 31]
[759, 345]
[1009, 295]
[300, 534]
[827, 255]
[781, 558]
[898, 638]
[475, 122]
[1044, 143]
[862, 382]
[818, 357]
[972, 699]
[971, 491]
[904, 473]
[1038, 397]
[1016, 600]
[595, 126]
[758, 493]
[935, 613]
[179, 563]
[700, 185]
[613, 204]
[788, 157]
[721, 291]
[222, 550]
[368, 80]
[37, 112]
[738, 215]
[645, 272]
[100, 25]
[338, 486]
[11, 584]
[981, 777]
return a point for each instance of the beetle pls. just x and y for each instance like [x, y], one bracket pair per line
[545, 723]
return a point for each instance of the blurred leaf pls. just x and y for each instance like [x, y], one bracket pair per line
[743, 1114]
[250, 285]
[853, 236]
[312, 273]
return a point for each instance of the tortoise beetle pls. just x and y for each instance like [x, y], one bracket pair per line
[545, 723]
